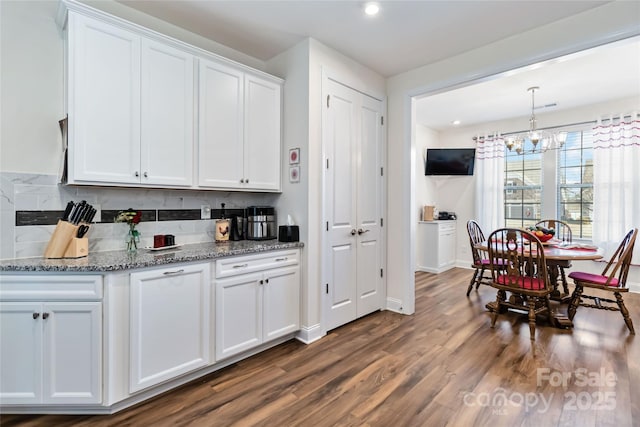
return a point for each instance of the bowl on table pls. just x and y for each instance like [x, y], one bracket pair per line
[542, 237]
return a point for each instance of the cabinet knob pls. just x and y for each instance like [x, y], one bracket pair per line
[145, 175]
[246, 180]
[261, 282]
[36, 315]
[45, 315]
[242, 181]
[266, 281]
[137, 174]
[353, 231]
[361, 231]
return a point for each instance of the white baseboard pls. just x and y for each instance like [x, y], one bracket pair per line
[309, 334]
[394, 305]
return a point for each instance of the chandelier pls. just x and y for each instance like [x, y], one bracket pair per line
[540, 138]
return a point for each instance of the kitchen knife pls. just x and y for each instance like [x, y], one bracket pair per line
[75, 216]
[83, 213]
[92, 214]
[67, 211]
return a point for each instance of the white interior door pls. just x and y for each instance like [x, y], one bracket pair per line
[352, 133]
[369, 196]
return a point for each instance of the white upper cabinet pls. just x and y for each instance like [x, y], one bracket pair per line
[166, 146]
[262, 133]
[133, 112]
[130, 107]
[221, 151]
[103, 102]
[239, 140]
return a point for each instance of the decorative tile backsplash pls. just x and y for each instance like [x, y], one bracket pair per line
[31, 204]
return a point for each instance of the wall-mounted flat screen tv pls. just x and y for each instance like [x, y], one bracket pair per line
[450, 161]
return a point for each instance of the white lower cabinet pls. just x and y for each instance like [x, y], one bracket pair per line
[50, 351]
[436, 250]
[169, 323]
[253, 308]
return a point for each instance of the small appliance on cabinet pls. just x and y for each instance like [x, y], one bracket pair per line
[261, 223]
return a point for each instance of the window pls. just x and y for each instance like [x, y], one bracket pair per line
[523, 187]
[569, 182]
[575, 183]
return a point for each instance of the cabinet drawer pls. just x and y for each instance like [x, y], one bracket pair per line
[446, 228]
[30, 287]
[256, 262]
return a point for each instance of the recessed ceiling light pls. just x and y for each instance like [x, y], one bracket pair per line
[371, 9]
[455, 122]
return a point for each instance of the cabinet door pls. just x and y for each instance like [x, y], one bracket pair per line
[166, 115]
[221, 149]
[238, 314]
[169, 312]
[281, 290]
[262, 133]
[103, 102]
[72, 356]
[20, 353]
[447, 247]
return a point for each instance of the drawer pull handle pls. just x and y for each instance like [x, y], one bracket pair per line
[282, 259]
[36, 315]
[45, 315]
[241, 266]
[169, 273]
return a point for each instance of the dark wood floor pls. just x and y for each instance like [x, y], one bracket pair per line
[443, 366]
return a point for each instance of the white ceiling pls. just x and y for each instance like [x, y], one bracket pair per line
[601, 74]
[403, 36]
[409, 34]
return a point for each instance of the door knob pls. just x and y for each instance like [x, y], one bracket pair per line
[361, 231]
[353, 231]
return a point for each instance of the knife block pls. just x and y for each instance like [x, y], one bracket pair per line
[78, 248]
[61, 239]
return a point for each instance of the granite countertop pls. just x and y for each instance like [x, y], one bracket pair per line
[121, 260]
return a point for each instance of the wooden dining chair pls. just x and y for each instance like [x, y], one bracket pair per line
[564, 234]
[613, 279]
[522, 272]
[480, 258]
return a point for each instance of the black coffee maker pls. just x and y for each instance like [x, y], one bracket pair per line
[238, 224]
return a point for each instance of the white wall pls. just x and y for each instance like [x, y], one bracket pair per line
[610, 22]
[31, 81]
[294, 66]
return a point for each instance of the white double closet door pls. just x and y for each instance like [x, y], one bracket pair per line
[353, 190]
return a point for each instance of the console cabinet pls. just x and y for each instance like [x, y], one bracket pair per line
[436, 251]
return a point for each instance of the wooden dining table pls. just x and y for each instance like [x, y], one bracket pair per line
[559, 255]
